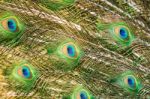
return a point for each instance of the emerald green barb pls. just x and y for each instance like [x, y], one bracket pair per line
[128, 81]
[79, 93]
[64, 55]
[22, 76]
[10, 26]
[119, 31]
[56, 4]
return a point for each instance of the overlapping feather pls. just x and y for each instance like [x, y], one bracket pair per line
[49, 36]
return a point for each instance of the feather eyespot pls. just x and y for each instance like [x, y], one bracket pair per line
[22, 76]
[10, 24]
[83, 95]
[122, 33]
[11, 27]
[25, 72]
[130, 81]
[70, 50]
[67, 54]
[119, 32]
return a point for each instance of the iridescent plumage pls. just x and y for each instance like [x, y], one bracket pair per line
[68, 54]
[128, 81]
[119, 32]
[22, 76]
[79, 93]
[74, 49]
[11, 27]
[56, 4]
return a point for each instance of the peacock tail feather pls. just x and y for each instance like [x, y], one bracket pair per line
[74, 49]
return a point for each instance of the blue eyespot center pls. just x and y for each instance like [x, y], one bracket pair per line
[123, 33]
[83, 95]
[71, 50]
[131, 82]
[12, 25]
[26, 72]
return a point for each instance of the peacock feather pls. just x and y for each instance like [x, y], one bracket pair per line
[55, 4]
[74, 49]
[11, 26]
[67, 54]
[128, 81]
[119, 32]
[22, 76]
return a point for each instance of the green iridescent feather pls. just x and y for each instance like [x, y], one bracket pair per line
[18, 81]
[96, 60]
[112, 27]
[59, 52]
[128, 81]
[6, 19]
[79, 92]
